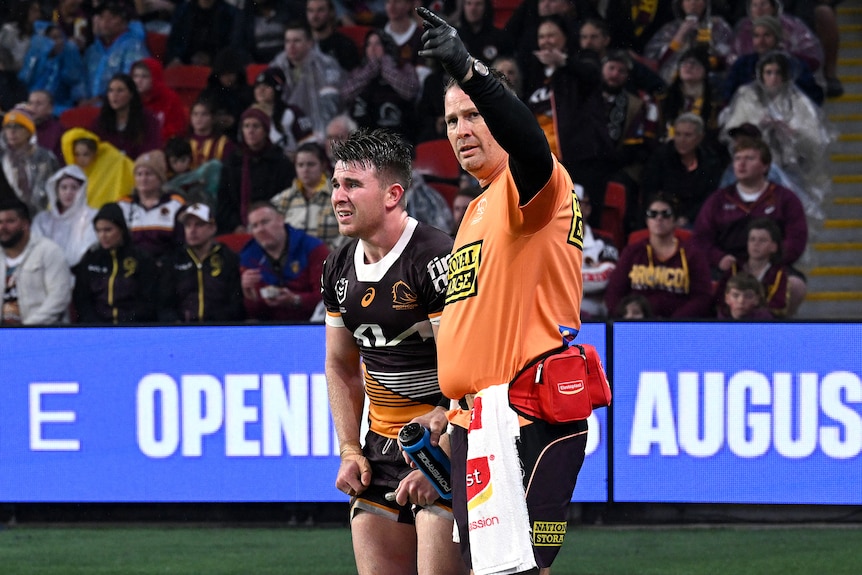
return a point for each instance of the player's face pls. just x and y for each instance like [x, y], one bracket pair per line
[474, 146]
[359, 199]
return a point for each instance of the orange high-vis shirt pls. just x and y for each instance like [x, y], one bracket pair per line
[515, 284]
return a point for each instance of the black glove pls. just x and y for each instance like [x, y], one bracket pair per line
[441, 42]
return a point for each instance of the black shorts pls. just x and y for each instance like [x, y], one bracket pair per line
[388, 468]
[551, 458]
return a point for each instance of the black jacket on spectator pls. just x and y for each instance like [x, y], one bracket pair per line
[211, 292]
[195, 30]
[271, 172]
[117, 285]
[665, 172]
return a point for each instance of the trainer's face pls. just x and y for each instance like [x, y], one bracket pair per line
[474, 146]
[360, 199]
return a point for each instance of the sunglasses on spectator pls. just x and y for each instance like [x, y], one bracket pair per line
[667, 214]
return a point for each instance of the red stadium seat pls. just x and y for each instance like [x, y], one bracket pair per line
[681, 234]
[614, 212]
[157, 45]
[503, 10]
[436, 161]
[252, 70]
[187, 81]
[357, 33]
[79, 117]
[234, 241]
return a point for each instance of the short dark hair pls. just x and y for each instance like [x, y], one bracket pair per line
[745, 281]
[746, 143]
[313, 148]
[381, 149]
[771, 227]
[20, 208]
[178, 148]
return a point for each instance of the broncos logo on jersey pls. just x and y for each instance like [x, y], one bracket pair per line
[403, 296]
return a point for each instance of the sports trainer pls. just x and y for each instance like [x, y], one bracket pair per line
[384, 293]
[514, 293]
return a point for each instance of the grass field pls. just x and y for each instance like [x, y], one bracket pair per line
[710, 550]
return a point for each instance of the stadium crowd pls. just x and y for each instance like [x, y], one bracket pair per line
[168, 160]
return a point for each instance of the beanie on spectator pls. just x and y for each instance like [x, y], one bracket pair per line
[772, 24]
[114, 214]
[272, 77]
[698, 54]
[259, 115]
[21, 116]
[154, 160]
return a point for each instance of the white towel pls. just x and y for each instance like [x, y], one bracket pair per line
[499, 526]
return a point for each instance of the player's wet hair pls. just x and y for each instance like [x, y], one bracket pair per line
[385, 151]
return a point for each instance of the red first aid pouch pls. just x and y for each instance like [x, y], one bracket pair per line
[562, 386]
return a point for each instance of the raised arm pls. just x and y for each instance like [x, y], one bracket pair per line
[509, 120]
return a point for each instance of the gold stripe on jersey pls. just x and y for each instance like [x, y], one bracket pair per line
[395, 398]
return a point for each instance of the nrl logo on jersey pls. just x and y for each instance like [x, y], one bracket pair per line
[341, 290]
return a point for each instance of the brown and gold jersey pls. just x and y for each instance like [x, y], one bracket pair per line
[389, 307]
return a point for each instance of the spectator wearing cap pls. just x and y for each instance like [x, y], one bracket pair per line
[798, 39]
[289, 126]
[116, 282]
[124, 122]
[150, 212]
[382, 92]
[312, 79]
[158, 99]
[199, 281]
[199, 29]
[255, 172]
[26, 165]
[768, 36]
[321, 18]
[632, 124]
[37, 284]
[114, 49]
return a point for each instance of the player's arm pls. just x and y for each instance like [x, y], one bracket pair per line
[509, 120]
[346, 400]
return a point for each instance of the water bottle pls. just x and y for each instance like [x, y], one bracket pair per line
[429, 459]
